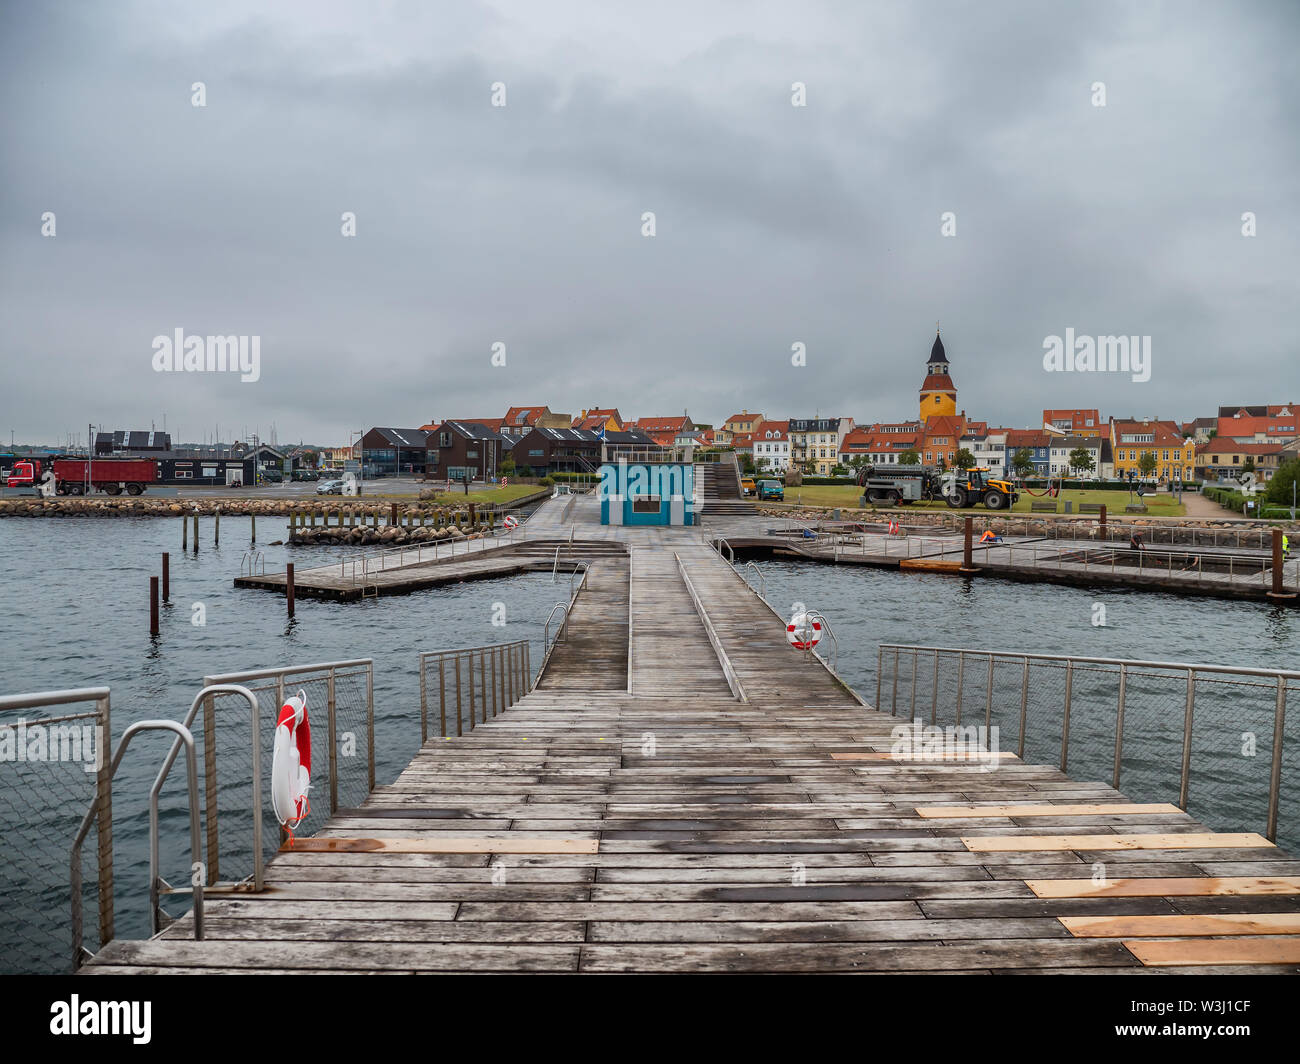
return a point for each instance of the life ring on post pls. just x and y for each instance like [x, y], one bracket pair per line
[291, 763]
[510, 522]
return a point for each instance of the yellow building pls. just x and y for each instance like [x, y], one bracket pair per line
[738, 424]
[938, 393]
[1129, 440]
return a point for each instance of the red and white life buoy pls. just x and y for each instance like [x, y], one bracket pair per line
[802, 633]
[510, 522]
[291, 762]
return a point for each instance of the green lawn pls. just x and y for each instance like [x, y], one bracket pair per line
[507, 494]
[846, 497]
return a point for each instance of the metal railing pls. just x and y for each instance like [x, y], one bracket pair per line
[1193, 734]
[812, 617]
[762, 580]
[504, 677]
[253, 563]
[156, 882]
[343, 761]
[559, 630]
[65, 768]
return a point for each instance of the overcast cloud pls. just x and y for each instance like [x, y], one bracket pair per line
[775, 224]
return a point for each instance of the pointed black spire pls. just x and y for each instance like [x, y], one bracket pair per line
[936, 352]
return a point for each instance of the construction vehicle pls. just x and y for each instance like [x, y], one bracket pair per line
[900, 485]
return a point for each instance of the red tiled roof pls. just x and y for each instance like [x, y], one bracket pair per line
[938, 382]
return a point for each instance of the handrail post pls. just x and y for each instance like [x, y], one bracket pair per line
[331, 703]
[1119, 725]
[880, 661]
[1024, 709]
[1065, 721]
[1275, 772]
[988, 699]
[1184, 780]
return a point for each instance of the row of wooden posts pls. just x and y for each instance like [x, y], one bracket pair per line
[470, 519]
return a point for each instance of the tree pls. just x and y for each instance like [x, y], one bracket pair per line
[964, 459]
[1147, 462]
[1279, 487]
[909, 457]
[1022, 464]
[507, 468]
[1248, 466]
[1081, 459]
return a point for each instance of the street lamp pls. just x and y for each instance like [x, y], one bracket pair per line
[361, 463]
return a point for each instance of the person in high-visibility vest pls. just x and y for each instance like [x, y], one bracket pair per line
[1286, 546]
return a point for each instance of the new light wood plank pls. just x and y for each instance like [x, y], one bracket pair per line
[1183, 925]
[1183, 886]
[1162, 953]
[1044, 809]
[1192, 840]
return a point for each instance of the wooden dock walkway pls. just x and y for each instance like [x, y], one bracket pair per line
[689, 827]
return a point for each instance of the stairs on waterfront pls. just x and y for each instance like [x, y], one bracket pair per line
[719, 489]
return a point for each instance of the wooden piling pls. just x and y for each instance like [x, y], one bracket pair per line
[196, 532]
[288, 586]
[392, 513]
[166, 577]
[1278, 565]
[153, 605]
[1102, 523]
[967, 559]
[185, 532]
[216, 528]
[252, 518]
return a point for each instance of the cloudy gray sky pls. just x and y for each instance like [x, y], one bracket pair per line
[775, 224]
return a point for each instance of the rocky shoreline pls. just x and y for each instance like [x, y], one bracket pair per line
[31, 506]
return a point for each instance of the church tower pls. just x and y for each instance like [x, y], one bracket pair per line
[938, 393]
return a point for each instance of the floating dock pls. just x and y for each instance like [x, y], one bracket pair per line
[682, 790]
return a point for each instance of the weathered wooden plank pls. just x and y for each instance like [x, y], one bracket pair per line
[507, 844]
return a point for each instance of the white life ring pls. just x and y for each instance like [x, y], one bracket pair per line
[291, 762]
[510, 522]
[802, 633]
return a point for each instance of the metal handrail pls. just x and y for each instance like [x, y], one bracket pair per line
[253, 557]
[183, 736]
[1192, 672]
[586, 567]
[762, 580]
[817, 615]
[718, 544]
[101, 804]
[516, 680]
[546, 628]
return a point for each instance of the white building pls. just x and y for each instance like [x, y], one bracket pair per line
[771, 443]
[989, 451]
[1063, 446]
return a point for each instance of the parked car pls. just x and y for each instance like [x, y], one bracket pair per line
[271, 476]
[771, 489]
[329, 487]
[305, 474]
[747, 486]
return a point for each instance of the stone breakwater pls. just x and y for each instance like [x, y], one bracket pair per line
[30, 506]
[1181, 530]
[385, 535]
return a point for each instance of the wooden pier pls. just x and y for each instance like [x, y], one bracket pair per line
[683, 791]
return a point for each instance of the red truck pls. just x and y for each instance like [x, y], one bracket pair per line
[111, 475]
